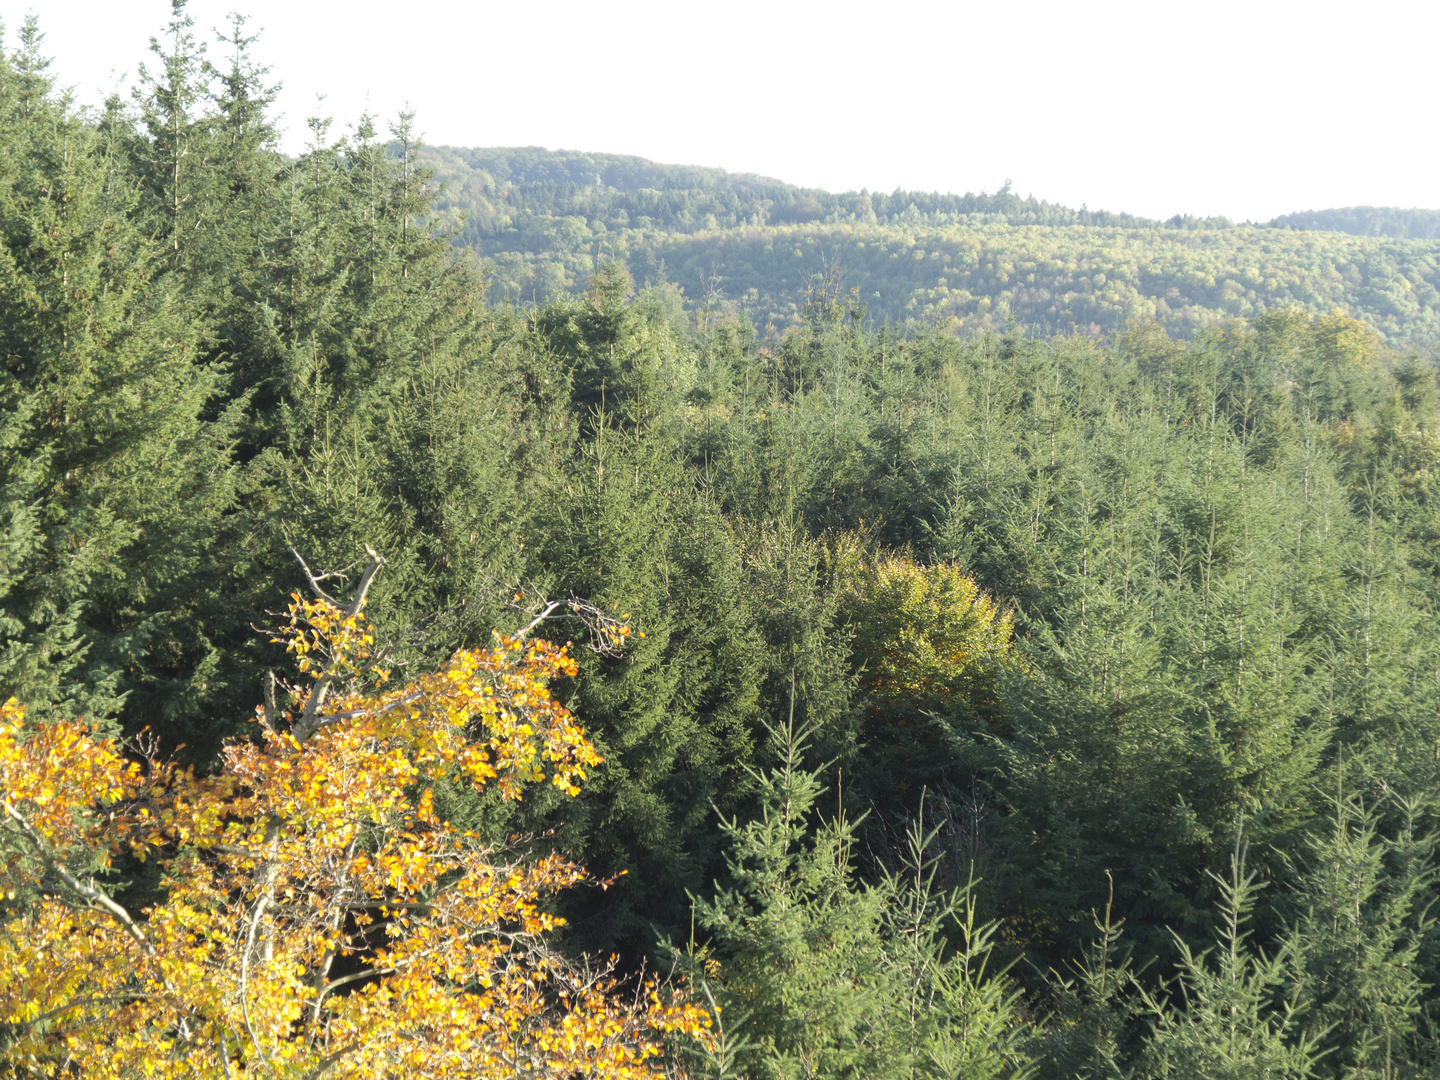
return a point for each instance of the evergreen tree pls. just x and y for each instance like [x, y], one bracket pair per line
[175, 145]
[1096, 1007]
[1242, 1014]
[837, 978]
[674, 717]
[1363, 900]
[116, 469]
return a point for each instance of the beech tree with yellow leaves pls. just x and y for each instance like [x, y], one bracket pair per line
[929, 647]
[317, 916]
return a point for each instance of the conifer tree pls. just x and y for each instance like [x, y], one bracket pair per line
[1243, 1011]
[674, 718]
[1096, 1006]
[1363, 903]
[116, 464]
[174, 150]
[841, 979]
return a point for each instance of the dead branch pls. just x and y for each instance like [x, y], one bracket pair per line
[607, 631]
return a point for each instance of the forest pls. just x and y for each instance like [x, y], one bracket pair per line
[545, 220]
[405, 677]
[1368, 221]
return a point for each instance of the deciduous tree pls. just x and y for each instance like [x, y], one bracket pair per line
[317, 915]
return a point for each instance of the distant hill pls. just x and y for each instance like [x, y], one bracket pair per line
[500, 187]
[543, 219]
[1368, 221]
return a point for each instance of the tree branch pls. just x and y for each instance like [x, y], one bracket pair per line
[368, 973]
[271, 714]
[607, 633]
[326, 1063]
[93, 896]
[315, 580]
[310, 720]
[372, 567]
[260, 906]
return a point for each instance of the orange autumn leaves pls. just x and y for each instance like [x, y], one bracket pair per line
[316, 916]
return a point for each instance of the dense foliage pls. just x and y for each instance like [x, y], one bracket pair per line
[543, 219]
[1074, 692]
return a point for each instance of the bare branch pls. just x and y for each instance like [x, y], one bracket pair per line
[345, 980]
[322, 971]
[326, 1063]
[112, 1001]
[607, 631]
[547, 612]
[224, 1054]
[271, 715]
[315, 581]
[372, 567]
[310, 719]
[260, 906]
[239, 852]
[373, 563]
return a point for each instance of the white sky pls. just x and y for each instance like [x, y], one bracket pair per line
[1247, 108]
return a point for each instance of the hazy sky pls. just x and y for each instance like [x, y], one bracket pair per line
[1248, 109]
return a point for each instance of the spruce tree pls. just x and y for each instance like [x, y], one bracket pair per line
[1242, 1014]
[116, 465]
[1363, 900]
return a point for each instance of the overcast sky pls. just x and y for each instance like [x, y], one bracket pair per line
[1248, 109]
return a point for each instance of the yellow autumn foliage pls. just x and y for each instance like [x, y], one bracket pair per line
[318, 918]
[927, 639]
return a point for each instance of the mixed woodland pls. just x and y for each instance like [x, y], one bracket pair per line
[1003, 635]
[544, 221]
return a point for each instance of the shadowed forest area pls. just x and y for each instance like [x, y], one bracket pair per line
[1009, 695]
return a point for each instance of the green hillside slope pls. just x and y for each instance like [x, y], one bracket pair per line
[1059, 278]
[545, 219]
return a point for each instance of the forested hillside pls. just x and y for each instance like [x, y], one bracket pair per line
[952, 696]
[976, 262]
[1368, 221]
